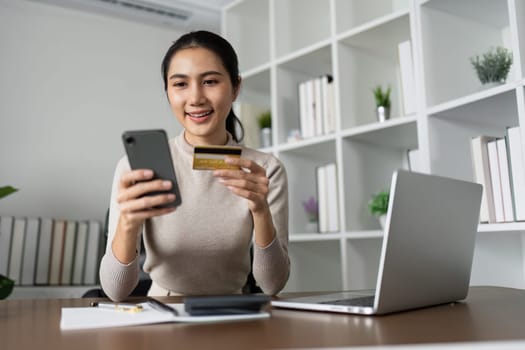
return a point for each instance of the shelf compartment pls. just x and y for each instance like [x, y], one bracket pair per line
[315, 266]
[368, 169]
[366, 59]
[300, 24]
[451, 130]
[246, 26]
[301, 164]
[351, 14]
[289, 75]
[451, 27]
[254, 99]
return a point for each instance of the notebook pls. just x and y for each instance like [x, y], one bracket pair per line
[427, 249]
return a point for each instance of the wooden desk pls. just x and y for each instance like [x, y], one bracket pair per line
[489, 313]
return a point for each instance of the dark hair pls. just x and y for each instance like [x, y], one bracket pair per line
[223, 49]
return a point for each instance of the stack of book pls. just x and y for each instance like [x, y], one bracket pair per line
[43, 251]
[327, 196]
[316, 106]
[498, 164]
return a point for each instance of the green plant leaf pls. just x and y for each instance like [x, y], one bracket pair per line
[378, 204]
[265, 120]
[382, 98]
[493, 66]
[6, 287]
[7, 190]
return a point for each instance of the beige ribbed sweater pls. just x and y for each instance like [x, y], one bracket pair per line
[204, 246]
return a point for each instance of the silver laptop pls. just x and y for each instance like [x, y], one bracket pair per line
[427, 251]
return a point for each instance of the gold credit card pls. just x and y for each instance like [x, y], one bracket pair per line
[212, 157]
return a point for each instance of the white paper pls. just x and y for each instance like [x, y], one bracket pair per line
[76, 318]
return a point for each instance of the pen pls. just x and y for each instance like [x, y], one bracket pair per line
[118, 307]
[157, 305]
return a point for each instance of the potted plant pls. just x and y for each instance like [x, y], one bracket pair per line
[265, 125]
[378, 206]
[312, 211]
[493, 66]
[6, 284]
[382, 98]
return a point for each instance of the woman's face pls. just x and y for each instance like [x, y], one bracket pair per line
[201, 94]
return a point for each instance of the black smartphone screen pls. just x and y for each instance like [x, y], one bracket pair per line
[149, 149]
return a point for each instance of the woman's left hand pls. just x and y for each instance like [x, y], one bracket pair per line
[250, 182]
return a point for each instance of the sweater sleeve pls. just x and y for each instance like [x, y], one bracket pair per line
[117, 279]
[271, 264]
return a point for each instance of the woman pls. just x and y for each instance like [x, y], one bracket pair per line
[202, 246]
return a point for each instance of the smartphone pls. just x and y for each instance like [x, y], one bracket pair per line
[225, 304]
[149, 149]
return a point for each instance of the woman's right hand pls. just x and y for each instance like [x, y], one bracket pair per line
[136, 206]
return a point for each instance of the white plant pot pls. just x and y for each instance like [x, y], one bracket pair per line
[311, 227]
[382, 221]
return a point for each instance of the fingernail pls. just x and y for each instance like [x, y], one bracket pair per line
[148, 173]
[171, 196]
[166, 184]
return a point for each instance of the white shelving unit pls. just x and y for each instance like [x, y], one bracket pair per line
[282, 43]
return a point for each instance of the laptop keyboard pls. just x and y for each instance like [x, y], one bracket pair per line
[357, 301]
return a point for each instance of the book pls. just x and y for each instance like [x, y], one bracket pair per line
[92, 253]
[327, 89]
[322, 198]
[44, 251]
[69, 250]
[17, 250]
[327, 196]
[414, 160]
[6, 231]
[506, 195]
[318, 108]
[517, 173]
[495, 180]
[57, 248]
[332, 197]
[30, 251]
[303, 109]
[481, 170]
[408, 84]
[80, 253]
[76, 318]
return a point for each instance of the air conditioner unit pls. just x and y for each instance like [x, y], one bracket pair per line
[167, 13]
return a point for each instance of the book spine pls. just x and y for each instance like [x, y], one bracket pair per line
[508, 209]
[6, 233]
[92, 253]
[517, 165]
[80, 254]
[17, 250]
[44, 252]
[30, 251]
[496, 180]
[56, 252]
[69, 250]
[406, 68]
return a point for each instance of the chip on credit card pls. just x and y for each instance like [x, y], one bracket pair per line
[213, 157]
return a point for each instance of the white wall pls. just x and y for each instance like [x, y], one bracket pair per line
[70, 83]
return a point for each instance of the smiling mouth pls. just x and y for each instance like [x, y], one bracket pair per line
[199, 115]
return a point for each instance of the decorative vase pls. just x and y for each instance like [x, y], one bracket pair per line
[383, 113]
[266, 137]
[311, 227]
